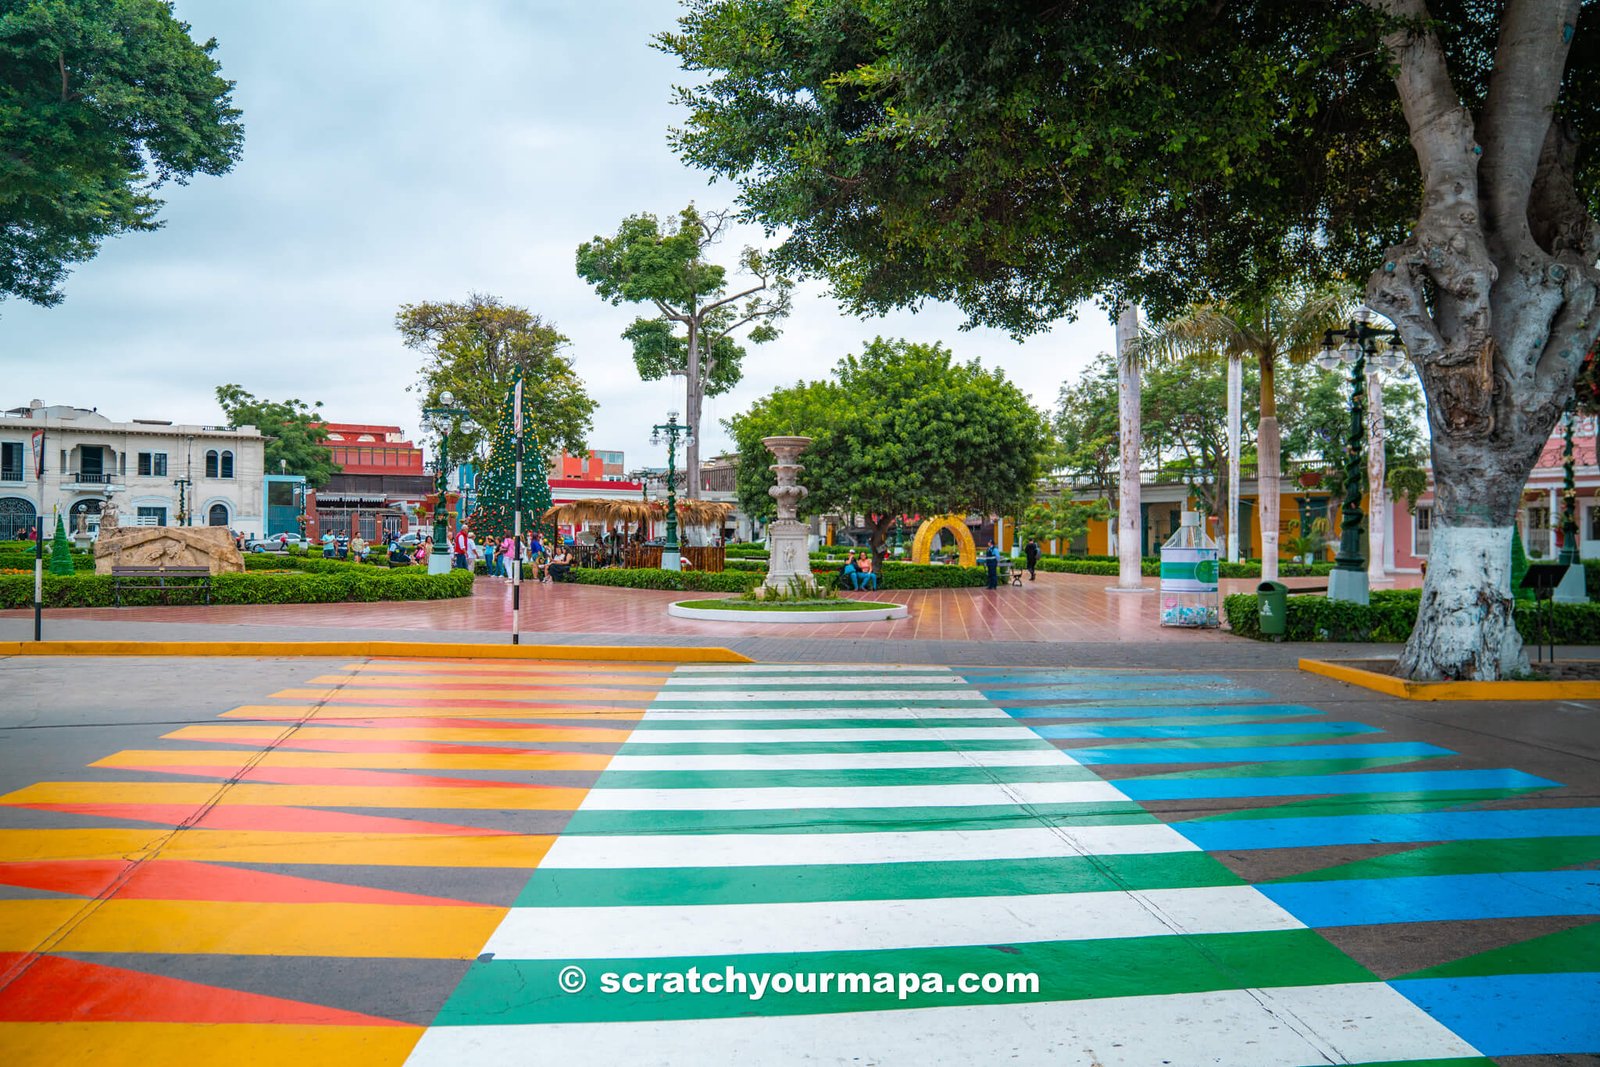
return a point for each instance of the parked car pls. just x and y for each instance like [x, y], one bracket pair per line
[276, 543]
[412, 539]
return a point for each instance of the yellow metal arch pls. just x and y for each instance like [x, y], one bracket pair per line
[956, 524]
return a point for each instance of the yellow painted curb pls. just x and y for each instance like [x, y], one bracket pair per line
[1408, 690]
[397, 649]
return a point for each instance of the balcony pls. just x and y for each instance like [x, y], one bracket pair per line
[90, 479]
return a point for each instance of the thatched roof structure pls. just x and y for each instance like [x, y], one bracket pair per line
[616, 512]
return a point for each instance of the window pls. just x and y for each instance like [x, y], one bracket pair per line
[153, 464]
[227, 465]
[1424, 532]
[11, 461]
[1594, 523]
[211, 463]
[218, 515]
[152, 516]
[16, 516]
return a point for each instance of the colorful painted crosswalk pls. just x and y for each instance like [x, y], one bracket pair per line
[453, 863]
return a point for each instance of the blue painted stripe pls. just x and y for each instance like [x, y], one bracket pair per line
[1122, 697]
[1316, 831]
[1090, 711]
[1241, 729]
[981, 678]
[1261, 754]
[1439, 898]
[1515, 1014]
[1323, 784]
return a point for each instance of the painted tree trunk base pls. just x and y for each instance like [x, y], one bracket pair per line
[1465, 630]
[1267, 475]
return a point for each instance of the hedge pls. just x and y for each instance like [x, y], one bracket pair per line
[897, 574]
[1391, 616]
[354, 584]
[656, 578]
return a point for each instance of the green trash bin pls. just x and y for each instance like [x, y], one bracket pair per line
[1272, 608]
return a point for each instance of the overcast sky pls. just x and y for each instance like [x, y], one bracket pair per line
[404, 151]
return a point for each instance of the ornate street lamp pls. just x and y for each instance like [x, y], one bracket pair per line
[1357, 344]
[671, 430]
[442, 420]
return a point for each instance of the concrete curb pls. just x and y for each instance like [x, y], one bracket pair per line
[1408, 690]
[369, 649]
[890, 611]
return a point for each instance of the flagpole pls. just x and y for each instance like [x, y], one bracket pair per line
[516, 519]
[38, 542]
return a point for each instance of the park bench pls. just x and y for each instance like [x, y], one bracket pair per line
[1009, 569]
[166, 579]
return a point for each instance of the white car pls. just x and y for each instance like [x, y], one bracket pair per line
[276, 543]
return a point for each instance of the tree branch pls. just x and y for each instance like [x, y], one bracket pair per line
[736, 297]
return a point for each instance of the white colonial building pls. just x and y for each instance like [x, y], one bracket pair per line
[158, 473]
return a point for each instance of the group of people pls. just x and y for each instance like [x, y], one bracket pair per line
[858, 572]
[554, 563]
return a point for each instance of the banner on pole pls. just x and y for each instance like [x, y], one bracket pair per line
[38, 455]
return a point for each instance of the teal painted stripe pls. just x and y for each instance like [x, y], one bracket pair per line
[844, 776]
[1236, 731]
[1087, 711]
[1239, 741]
[993, 679]
[912, 743]
[524, 991]
[857, 820]
[1119, 697]
[555, 888]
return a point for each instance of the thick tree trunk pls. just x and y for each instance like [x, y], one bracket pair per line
[693, 398]
[1267, 477]
[1129, 575]
[1235, 433]
[1377, 492]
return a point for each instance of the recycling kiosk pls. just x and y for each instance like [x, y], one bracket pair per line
[1189, 576]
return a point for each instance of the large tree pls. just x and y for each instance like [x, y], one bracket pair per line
[1022, 157]
[473, 349]
[101, 102]
[901, 429]
[294, 431]
[692, 333]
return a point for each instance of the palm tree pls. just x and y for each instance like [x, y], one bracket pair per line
[1286, 325]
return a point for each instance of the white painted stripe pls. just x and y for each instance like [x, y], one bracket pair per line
[832, 696]
[775, 798]
[863, 678]
[842, 926]
[830, 761]
[886, 733]
[805, 849]
[1278, 1027]
[856, 670]
[771, 715]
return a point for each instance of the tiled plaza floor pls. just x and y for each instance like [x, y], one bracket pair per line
[460, 863]
[1058, 607]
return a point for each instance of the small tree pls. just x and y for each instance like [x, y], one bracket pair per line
[1062, 519]
[495, 514]
[61, 551]
[692, 332]
[293, 429]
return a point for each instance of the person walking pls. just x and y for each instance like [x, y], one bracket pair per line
[1031, 554]
[991, 561]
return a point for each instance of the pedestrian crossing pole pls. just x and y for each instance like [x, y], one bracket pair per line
[38, 540]
[516, 516]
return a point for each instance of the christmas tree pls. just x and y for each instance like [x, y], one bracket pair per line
[61, 550]
[496, 484]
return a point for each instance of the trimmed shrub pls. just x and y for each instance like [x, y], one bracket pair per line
[655, 578]
[897, 574]
[1391, 616]
[354, 584]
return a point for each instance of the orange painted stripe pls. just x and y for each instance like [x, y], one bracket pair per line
[465, 760]
[340, 711]
[573, 698]
[186, 880]
[143, 1044]
[414, 731]
[276, 846]
[492, 797]
[564, 668]
[248, 817]
[329, 776]
[534, 683]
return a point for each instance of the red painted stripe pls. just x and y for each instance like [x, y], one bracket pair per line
[430, 748]
[332, 776]
[407, 700]
[266, 817]
[52, 989]
[188, 880]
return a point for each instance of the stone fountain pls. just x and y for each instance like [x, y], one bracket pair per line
[787, 536]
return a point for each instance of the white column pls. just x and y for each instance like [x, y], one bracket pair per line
[1235, 433]
[1378, 509]
[1130, 442]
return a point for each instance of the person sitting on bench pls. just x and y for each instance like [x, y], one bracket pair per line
[866, 577]
[560, 564]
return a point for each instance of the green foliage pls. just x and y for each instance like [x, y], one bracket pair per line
[1061, 518]
[733, 563]
[1086, 429]
[795, 591]
[293, 429]
[1315, 406]
[101, 102]
[61, 551]
[894, 574]
[495, 513]
[1519, 564]
[901, 429]
[354, 583]
[475, 349]
[655, 578]
[661, 264]
[1392, 613]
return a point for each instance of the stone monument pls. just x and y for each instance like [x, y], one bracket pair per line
[787, 536]
[166, 546]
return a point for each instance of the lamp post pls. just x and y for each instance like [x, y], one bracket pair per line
[671, 430]
[1358, 343]
[442, 420]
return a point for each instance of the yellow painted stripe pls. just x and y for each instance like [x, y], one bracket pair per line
[247, 928]
[347, 649]
[1409, 690]
[531, 735]
[276, 846]
[278, 712]
[626, 698]
[445, 684]
[224, 760]
[511, 668]
[144, 1044]
[492, 798]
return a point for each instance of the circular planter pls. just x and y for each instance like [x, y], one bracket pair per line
[877, 613]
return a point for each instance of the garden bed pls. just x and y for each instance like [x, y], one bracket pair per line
[792, 611]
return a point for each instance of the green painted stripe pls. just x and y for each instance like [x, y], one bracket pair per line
[1292, 768]
[1568, 951]
[524, 991]
[912, 743]
[1471, 1061]
[1467, 857]
[1370, 804]
[554, 888]
[857, 820]
[843, 776]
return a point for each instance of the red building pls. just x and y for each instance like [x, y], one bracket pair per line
[380, 487]
[597, 466]
[363, 449]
